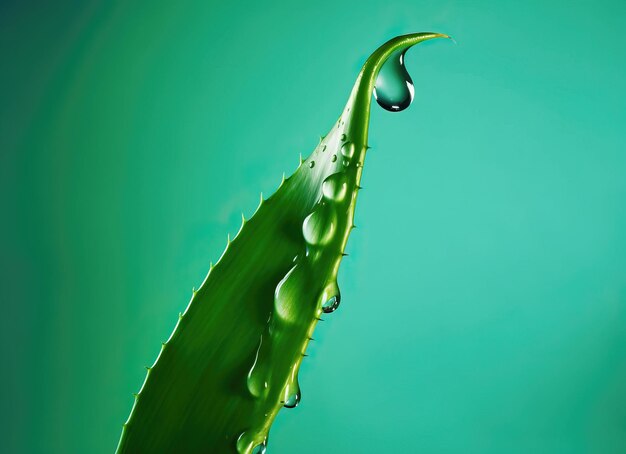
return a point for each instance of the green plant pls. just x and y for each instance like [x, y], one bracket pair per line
[232, 361]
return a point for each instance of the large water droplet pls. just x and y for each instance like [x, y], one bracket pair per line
[319, 227]
[335, 187]
[394, 88]
[332, 304]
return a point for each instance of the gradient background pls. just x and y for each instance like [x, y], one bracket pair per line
[485, 294]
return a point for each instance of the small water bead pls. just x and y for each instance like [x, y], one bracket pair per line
[343, 137]
[334, 158]
[324, 148]
[319, 227]
[394, 89]
[335, 187]
[332, 304]
[347, 150]
[312, 164]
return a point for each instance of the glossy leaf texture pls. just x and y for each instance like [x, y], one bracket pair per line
[232, 361]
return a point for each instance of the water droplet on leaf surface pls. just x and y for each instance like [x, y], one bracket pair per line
[319, 227]
[347, 150]
[335, 187]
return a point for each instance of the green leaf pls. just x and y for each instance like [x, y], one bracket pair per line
[232, 361]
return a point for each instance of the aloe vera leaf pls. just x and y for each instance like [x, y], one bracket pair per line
[232, 360]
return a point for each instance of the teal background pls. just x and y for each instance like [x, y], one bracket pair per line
[484, 300]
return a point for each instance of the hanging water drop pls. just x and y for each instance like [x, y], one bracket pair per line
[394, 89]
[257, 378]
[332, 304]
[331, 297]
[293, 400]
[292, 392]
[259, 449]
[335, 187]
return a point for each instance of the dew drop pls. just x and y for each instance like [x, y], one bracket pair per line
[335, 187]
[312, 164]
[256, 380]
[394, 89]
[319, 227]
[332, 304]
[334, 158]
[324, 148]
[284, 303]
[347, 150]
[343, 137]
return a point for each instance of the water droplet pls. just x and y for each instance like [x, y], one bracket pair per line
[292, 393]
[347, 150]
[394, 89]
[334, 158]
[319, 227]
[293, 400]
[332, 304]
[284, 302]
[343, 137]
[256, 380]
[248, 439]
[335, 187]
[259, 449]
[324, 148]
[312, 164]
[331, 297]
